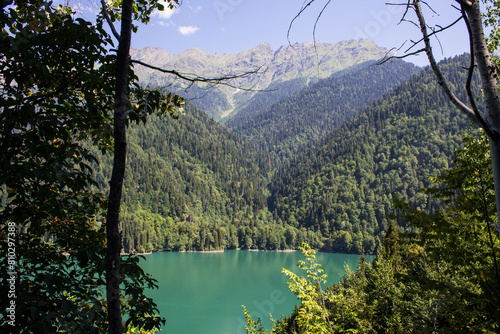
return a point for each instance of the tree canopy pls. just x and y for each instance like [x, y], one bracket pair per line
[57, 86]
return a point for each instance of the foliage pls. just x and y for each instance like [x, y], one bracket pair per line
[55, 103]
[193, 185]
[312, 316]
[441, 277]
[191, 181]
[491, 20]
[344, 186]
[460, 240]
[142, 10]
[51, 108]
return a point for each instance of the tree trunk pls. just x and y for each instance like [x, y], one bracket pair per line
[489, 84]
[114, 242]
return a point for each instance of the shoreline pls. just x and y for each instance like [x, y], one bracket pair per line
[148, 253]
[238, 249]
[269, 250]
[205, 251]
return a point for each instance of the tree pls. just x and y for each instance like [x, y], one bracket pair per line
[454, 252]
[53, 107]
[56, 96]
[447, 280]
[480, 53]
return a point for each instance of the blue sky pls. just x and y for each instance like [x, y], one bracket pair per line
[230, 26]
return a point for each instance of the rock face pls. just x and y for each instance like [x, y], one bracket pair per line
[280, 73]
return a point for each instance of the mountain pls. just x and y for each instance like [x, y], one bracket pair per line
[296, 122]
[191, 184]
[344, 186]
[280, 73]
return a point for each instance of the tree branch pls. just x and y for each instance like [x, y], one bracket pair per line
[435, 68]
[468, 89]
[108, 19]
[473, 113]
[193, 78]
[434, 32]
[296, 17]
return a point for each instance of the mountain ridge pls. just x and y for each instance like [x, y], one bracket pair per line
[293, 65]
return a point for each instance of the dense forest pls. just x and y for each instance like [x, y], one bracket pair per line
[294, 123]
[344, 187]
[440, 276]
[362, 161]
[192, 184]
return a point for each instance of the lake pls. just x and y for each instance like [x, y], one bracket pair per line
[203, 293]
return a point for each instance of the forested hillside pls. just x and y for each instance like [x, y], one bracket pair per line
[296, 122]
[344, 187]
[193, 185]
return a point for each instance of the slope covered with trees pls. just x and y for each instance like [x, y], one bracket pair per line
[345, 185]
[440, 277]
[296, 122]
[193, 185]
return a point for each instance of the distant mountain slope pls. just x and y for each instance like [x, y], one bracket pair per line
[191, 184]
[294, 123]
[284, 71]
[343, 187]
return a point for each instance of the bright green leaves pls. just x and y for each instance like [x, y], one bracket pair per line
[252, 326]
[142, 9]
[452, 254]
[313, 316]
[440, 276]
[469, 186]
[491, 20]
[145, 102]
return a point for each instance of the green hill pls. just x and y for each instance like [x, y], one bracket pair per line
[344, 186]
[296, 122]
[191, 184]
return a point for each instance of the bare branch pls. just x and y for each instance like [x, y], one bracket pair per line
[193, 78]
[435, 68]
[314, 33]
[468, 89]
[317, 19]
[387, 58]
[434, 32]
[428, 6]
[108, 19]
[296, 17]
[407, 5]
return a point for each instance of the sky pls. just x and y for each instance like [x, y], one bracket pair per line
[231, 26]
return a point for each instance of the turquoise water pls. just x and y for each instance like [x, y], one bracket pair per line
[203, 293]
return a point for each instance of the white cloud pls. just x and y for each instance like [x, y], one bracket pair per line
[188, 30]
[167, 13]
